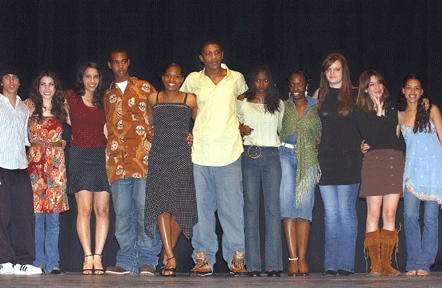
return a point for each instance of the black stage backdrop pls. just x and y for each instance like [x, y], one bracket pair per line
[393, 37]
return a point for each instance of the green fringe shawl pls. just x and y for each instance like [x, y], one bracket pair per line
[308, 172]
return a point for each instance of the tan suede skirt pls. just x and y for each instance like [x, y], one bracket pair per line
[382, 173]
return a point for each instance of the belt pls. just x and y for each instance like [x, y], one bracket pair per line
[287, 145]
[46, 144]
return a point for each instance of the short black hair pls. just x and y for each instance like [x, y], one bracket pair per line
[116, 50]
[209, 42]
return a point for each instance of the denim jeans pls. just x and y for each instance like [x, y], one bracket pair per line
[265, 169]
[420, 253]
[136, 248]
[47, 228]
[341, 226]
[289, 209]
[219, 188]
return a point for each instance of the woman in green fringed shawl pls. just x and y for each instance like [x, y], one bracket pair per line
[300, 133]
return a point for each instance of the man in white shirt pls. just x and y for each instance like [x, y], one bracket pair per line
[17, 220]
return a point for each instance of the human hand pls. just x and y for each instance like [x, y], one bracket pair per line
[364, 147]
[190, 139]
[149, 135]
[245, 130]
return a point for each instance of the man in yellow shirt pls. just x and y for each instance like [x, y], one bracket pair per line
[216, 151]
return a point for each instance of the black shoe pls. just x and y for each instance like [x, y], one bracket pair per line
[344, 272]
[57, 272]
[329, 273]
[273, 273]
[254, 274]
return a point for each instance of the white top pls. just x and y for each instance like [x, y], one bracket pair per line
[122, 85]
[13, 134]
[265, 125]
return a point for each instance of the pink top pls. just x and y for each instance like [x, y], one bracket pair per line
[87, 122]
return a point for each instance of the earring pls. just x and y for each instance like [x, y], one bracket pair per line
[306, 91]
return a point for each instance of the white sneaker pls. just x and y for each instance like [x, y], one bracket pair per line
[27, 269]
[6, 268]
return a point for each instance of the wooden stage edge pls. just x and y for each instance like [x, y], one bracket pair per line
[220, 280]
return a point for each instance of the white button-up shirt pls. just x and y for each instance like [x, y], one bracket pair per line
[13, 134]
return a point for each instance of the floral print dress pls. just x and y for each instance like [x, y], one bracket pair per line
[46, 166]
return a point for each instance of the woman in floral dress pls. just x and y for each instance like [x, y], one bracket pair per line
[46, 167]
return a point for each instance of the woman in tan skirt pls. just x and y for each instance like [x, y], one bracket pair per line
[382, 169]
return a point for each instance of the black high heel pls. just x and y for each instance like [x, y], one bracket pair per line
[168, 269]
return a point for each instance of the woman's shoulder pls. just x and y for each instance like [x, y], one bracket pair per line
[70, 95]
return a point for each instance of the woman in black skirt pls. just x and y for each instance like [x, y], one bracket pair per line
[382, 169]
[87, 170]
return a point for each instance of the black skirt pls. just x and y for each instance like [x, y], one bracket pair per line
[87, 170]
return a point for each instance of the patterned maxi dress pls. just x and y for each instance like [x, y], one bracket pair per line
[46, 166]
[170, 184]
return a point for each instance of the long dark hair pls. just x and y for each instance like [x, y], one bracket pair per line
[57, 101]
[344, 97]
[422, 119]
[363, 100]
[271, 100]
[97, 99]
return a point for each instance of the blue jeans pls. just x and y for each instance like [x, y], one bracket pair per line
[219, 188]
[267, 168]
[289, 209]
[420, 253]
[136, 248]
[341, 226]
[47, 228]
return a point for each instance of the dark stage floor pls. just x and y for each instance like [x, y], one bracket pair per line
[220, 280]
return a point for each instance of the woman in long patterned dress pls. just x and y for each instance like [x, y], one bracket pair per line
[422, 130]
[46, 167]
[170, 192]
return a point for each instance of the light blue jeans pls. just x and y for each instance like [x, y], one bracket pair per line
[136, 248]
[265, 169]
[289, 209]
[341, 226]
[420, 253]
[219, 188]
[47, 228]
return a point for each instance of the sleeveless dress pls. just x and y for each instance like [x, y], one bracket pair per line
[170, 183]
[46, 166]
[423, 163]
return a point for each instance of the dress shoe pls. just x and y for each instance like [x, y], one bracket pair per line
[273, 273]
[254, 274]
[344, 272]
[329, 273]
[57, 272]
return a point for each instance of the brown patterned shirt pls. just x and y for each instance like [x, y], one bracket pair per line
[127, 148]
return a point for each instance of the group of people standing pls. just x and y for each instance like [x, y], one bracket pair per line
[134, 144]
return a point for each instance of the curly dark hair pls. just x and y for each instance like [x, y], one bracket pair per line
[344, 98]
[271, 100]
[57, 102]
[422, 119]
[97, 99]
[363, 100]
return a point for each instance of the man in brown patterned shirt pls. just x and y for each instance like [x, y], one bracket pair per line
[126, 163]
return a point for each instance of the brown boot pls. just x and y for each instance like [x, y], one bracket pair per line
[202, 267]
[372, 245]
[237, 266]
[389, 239]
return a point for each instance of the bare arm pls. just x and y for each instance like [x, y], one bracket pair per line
[315, 95]
[437, 120]
[151, 98]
